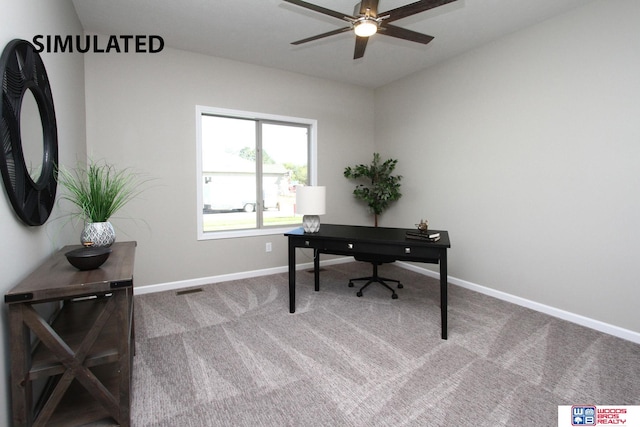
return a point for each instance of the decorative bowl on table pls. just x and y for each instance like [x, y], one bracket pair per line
[88, 258]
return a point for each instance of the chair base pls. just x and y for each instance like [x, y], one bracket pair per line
[376, 279]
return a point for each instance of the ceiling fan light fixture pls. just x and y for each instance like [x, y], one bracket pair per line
[365, 27]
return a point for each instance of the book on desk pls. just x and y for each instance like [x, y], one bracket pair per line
[426, 236]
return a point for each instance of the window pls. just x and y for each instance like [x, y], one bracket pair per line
[248, 167]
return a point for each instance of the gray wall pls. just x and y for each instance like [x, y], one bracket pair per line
[141, 113]
[22, 248]
[527, 151]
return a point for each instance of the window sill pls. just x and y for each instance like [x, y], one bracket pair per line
[233, 234]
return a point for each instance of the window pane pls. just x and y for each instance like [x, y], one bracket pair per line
[285, 154]
[228, 173]
[250, 166]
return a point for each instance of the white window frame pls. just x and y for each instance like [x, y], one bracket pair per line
[313, 167]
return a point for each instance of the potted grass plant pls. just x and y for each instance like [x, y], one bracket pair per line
[98, 190]
[378, 187]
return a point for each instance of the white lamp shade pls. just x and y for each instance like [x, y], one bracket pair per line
[310, 200]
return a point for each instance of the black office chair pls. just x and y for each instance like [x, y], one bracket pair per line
[376, 261]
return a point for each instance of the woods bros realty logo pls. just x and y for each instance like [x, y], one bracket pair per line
[95, 44]
[592, 415]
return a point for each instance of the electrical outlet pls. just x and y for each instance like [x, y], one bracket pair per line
[267, 248]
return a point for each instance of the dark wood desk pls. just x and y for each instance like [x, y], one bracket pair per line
[355, 240]
[84, 355]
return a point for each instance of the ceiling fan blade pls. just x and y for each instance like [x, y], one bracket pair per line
[323, 35]
[322, 10]
[403, 33]
[412, 9]
[361, 45]
[372, 5]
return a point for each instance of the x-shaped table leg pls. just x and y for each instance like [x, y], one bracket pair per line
[73, 361]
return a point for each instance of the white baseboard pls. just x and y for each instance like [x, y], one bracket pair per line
[616, 331]
[192, 283]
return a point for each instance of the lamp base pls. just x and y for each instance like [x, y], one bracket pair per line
[311, 223]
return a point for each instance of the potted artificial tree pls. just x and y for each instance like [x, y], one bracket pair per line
[379, 188]
[98, 190]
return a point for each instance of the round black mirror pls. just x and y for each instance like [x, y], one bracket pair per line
[28, 133]
[31, 135]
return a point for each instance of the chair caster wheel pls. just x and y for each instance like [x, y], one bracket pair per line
[400, 286]
[350, 284]
[359, 294]
[394, 296]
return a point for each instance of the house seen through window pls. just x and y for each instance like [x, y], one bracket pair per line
[249, 167]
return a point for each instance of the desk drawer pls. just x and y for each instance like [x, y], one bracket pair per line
[406, 252]
[338, 247]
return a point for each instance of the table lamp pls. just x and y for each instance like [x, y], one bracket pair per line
[310, 202]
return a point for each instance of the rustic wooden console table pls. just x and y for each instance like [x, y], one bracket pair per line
[82, 359]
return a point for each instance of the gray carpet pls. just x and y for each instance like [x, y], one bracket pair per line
[232, 355]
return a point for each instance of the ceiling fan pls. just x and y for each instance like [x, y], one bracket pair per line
[367, 22]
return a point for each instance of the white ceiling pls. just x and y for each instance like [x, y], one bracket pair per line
[260, 32]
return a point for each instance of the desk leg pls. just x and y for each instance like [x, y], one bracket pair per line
[443, 293]
[292, 277]
[316, 269]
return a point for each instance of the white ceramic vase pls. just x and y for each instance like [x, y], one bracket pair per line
[99, 234]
